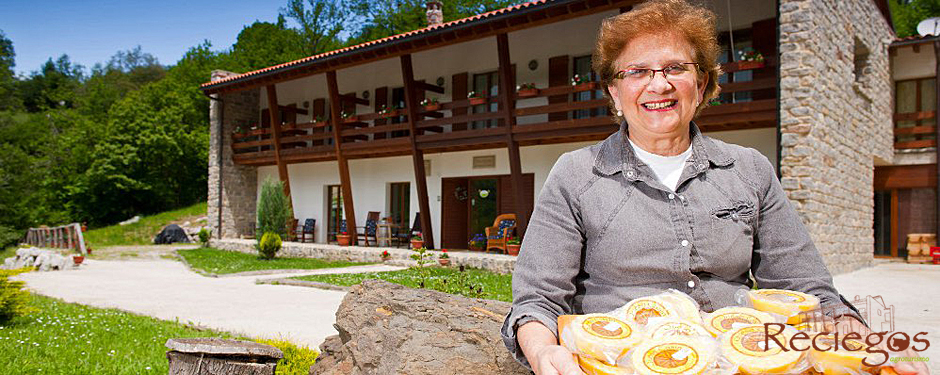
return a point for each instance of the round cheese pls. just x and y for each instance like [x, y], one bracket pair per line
[591, 366]
[673, 355]
[784, 302]
[675, 327]
[604, 337]
[684, 306]
[641, 310]
[748, 348]
[727, 318]
[847, 359]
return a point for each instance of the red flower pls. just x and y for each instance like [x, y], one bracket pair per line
[443, 250]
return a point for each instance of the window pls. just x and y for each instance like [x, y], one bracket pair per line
[861, 61]
[741, 43]
[582, 67]
[398, 99]
[485, 85]
[334, 200]
[399, 202]
[912, 97]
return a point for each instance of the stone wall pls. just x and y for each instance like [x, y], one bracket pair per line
[239, 183]
[835, 115]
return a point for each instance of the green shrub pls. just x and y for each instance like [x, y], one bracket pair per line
[273, 208]
[297, 359]
[269, 245]
[14, 301]
[9, 236]
[204, 237]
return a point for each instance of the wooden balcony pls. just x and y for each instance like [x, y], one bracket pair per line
[452, 126]
[912, 132]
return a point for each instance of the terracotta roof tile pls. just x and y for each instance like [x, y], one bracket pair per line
[444, 25]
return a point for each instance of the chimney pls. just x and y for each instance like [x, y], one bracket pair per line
[435, 14]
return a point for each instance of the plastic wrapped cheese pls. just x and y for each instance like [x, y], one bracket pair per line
[674, 355]
[640, 310]
[845, 359]
[784, 302]
[684, 306]
[752, 352]
[591, 366]
[727, 318]
[675, 327]
[601, 336]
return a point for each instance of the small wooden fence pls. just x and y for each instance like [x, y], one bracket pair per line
[62, 237]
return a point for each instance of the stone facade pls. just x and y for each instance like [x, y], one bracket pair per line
[239, 188]
[835, 116]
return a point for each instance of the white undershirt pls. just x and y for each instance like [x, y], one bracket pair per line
[667, 169]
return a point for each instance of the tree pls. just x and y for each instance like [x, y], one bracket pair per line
[264, 44]
[8, 99]
[906, 14]
[320, 25]
[54, 85]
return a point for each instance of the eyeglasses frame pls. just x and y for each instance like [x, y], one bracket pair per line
[619, 74]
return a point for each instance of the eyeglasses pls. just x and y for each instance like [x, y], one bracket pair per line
[643, 76]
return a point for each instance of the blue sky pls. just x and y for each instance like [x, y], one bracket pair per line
[91, 32]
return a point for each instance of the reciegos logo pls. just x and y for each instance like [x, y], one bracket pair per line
[821, 333]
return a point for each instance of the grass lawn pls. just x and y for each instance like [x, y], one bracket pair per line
[495, 286]
[66, 338]
[142, 232]
[222, 261]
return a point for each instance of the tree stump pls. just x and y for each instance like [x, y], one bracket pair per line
[211, 356]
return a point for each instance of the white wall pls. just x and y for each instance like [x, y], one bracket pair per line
[907, 64]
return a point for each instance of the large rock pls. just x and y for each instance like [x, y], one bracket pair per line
[171, 234]
[40, 259]
[387, 328]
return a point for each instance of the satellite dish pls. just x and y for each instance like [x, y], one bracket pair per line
[930, 26]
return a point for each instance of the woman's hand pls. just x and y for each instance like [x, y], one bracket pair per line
[543, 352]
[555, 360]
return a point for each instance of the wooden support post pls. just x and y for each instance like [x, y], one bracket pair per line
[337, 122]
[894, 222]
[276, 135]
[507, 96]
[417, 156]
[936, 51]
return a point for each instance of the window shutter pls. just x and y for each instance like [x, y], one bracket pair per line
[558, 76]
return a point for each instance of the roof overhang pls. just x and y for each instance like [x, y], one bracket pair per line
[504, 20]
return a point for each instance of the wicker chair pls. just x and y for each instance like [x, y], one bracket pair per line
[503, 227]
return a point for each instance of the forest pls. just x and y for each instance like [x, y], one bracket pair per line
[129, 136]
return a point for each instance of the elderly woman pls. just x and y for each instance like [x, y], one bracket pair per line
[656, 205]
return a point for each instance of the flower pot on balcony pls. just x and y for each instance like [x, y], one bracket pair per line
[415, 244]
[477, 101]
[513, 249]
[351, 119]
[528, 93]
[587, 86]
[388, 114]
[343, 239]
[744, 65]
[432, 107]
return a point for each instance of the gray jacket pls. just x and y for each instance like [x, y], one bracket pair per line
[606, 231]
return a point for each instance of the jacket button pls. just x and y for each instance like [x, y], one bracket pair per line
[672, 196]
[685, 243]
[630, 174]
[691, 284]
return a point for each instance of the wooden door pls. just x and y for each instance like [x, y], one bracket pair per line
[454, 214]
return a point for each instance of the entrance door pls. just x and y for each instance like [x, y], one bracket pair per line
[484, 204]
[454, 203]
[334, 199]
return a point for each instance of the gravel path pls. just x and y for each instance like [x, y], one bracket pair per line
[167, 290]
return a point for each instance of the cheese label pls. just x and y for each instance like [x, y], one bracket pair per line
[675, 328]
[606, 327]
[725, 322]
[750, 341]
[671, 358]
[642, 311]
[782, 296]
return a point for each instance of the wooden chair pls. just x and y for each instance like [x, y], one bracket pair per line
[369, 230]
[404, 236]
[309, 227]
[291, 229]
[503, 227]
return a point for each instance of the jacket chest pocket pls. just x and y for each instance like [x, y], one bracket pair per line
[729, 238]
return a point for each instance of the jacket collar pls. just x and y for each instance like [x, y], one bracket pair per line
[616, 155]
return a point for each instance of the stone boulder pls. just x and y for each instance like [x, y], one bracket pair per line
[387, 328]
[42, 260]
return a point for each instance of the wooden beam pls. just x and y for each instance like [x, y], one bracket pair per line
[276, 130]
[905, 177]
[429, 87]
[894, 222]
[936, 51]
[417, 156]
[351, 98]
[344, 179]
[507, 91]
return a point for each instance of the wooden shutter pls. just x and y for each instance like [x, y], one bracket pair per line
[507, 204]
[381, 99]
[459, 91]
[558, 76]
[764, 40]
[319, 110]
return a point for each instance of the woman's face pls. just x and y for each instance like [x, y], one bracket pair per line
[661, 107]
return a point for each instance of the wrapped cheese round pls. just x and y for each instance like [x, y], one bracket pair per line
[845, 359]
[591, 366]
[603, 337]
[673, 355]
[784, 302]
[641, 310]
[748, 348]
[684, 306]
[675, 327]
[726, 318]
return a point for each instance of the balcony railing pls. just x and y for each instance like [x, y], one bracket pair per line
[911, 131]
[452, 125]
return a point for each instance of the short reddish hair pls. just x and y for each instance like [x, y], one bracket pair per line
[695, 23]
